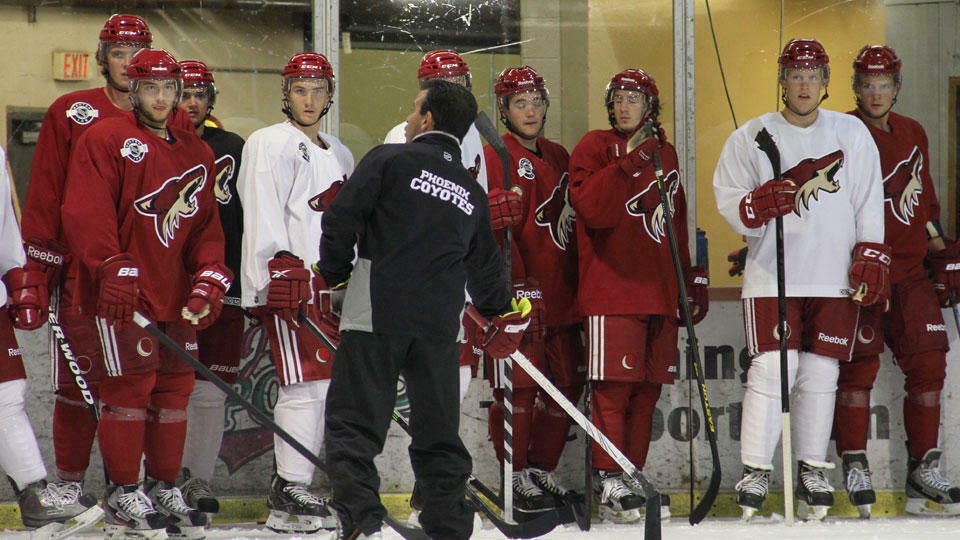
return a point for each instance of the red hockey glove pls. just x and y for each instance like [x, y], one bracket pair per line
[289, 286]
[870, 273]
[502, 337]
[770, 200]
[738, 261]
[530, 289]
[640, 147]
[505, 208]
[119, 291]
[323, 201]
[206, 299]
[328, 306]
[29, 298]
[697, 282]
[945, 265]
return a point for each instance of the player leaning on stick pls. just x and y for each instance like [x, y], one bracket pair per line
[544, 266]
[914, 326]
[830, 198]
[627, 289]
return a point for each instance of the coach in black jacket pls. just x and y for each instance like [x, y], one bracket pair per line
[421, 225]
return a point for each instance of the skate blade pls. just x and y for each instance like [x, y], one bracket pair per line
[284, 523]
[622, 516]
[811, 513]
[80, 522]
[184, 532]
[748, 513]
[121, 532]
[925, 507]
[864, 510]
[414, 519]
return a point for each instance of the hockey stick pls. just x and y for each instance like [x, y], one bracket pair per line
[489, 132]
[956, 310]
[767, 145]
[539, 526]
[403, 530]
[587, 457]
[693, 350]
[652, 521]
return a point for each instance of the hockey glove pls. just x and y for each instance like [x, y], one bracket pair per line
[119, 290]
[323, 201]
[328, 303]
[945, 266]
[698, 295]
[206, 298]
[770, 200]
[647, 139]
[530, 289]
[502, 337]
[738, 261]
[870, 273]
[29, 286]
[505, 208]
[289, 286]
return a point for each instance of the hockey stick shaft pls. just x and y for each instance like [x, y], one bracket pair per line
[956, 310]
[652, 522]
[145, 323]
[693, 349]
[769, 147]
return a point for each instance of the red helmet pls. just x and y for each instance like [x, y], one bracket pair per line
[442, 63]
[636, 80]
[195, 74]
[126, 29]
[153, 64]
[308, 65]
[517, 80]
[877, 60]
[804, 54]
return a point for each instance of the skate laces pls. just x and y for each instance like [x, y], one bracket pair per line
[301, 495]
[135, 503]
[49, 496]
[613, 488]
[546, 481]
[69, 492]
[814, 480]
[524, 485]
[931, 476]
[172, 500]
[859, 479]
[197, 488]
[755, 482]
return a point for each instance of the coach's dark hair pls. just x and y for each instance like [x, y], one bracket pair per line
[453, 107]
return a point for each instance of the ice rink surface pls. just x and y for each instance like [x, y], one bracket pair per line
[932, 528]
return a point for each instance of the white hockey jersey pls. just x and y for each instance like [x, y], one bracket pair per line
[839, 202]
[11, 246]
[471, 150]
[281, 170]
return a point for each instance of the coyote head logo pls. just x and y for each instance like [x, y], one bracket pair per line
[556, 213]
[647, 204]
[902, 187]
[225, 167]
[176, 198]
[813, 175]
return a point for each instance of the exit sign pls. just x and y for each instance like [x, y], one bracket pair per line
[71, 65]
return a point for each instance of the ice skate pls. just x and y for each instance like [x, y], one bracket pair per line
[638, 490]
[130, 514]
[197, 493]
[752, 490]
[182, 520]
[53, 513]
[814, 492]
[926, 484]
[527, 495]
[617, 502]
[546, 481]
[856, 471]
[293, 509]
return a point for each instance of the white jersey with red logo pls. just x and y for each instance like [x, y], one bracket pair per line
[281, 171]
[471, 150]
[839, 201]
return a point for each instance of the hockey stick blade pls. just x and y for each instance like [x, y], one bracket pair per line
[693, 347]
[410, 533]
[652, 521]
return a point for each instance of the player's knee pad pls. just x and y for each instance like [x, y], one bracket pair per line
[817, 373]
[924, 373]
[206, 395]
[763, 376]
[858, 375]
[129, 390]
[12, 396]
